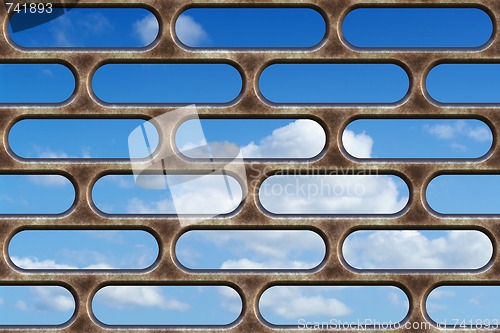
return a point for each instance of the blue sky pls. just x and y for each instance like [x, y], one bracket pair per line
[255, 139]
[464, 305]
[417, 27]
[57, 249]
[87, 27]
[276, 28]
[284, 305]
[167, 305]
[47, 83]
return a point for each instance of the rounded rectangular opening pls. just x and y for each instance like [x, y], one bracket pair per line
[82, 27]
[35, 306]
[417, 138]
[35, 194]
[339, 307]
[250, 27]
[334, 83]
[464, 307]
[35, 83]
[460, 194]
[83, 250]
[250, 138]
[250, 249]
[79, 138]
[167, 83]
[333, 194]
[172, 194]
[464, 83]
[407, 27]
[181, 306]
[390, 250]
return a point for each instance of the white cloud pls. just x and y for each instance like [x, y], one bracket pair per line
[206, 194]
[294, 303]
[436, 295]
[95, 23]
[109, 236]
[137, 296]
[35, 263]
[266, 250]
[40, 152]
[72, 29]
[48, 299]
[306, 138]
[301, 138]
[358, 145]
[101, 265]
[458, 147]
[54, 298]
[231, 299]
[49, 153]
[474, 301]
[85, 152]
[441, 293]
[126, 182]
[396, 299]
[479, 134]
[139, 206]
[47, 72]
[332, 194]
[22, 305]
[49, 180]
[189, 31]
[245, 263]
[413, 250]
[146, 29]
[60, 30]
[457, 128]
[88, 259]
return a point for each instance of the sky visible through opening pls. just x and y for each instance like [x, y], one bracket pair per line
[294, 139]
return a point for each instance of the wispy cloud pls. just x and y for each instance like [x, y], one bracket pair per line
[95, 23]
[60, 30]
[146, 29]
[49, 180]
[333, 194]
[44, 152]
[190, 32]
[47, 299]
[47, 72]
[435, 296]
[137, 296]
[294, 303]
[207, 194]
[231, 300]
[412, 249]
[459, 128]
[246, 263]
[73, 28]
[35, 263]
[263, 250]
[48, 153]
